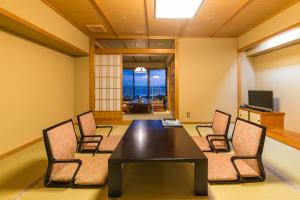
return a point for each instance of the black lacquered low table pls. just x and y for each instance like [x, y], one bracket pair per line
[149, 141]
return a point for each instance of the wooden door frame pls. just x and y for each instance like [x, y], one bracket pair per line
[92, 52]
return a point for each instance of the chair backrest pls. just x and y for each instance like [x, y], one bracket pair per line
[60, 140]
[248, 140]
[87, 124]
[221, 122]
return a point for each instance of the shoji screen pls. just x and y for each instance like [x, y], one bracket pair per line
[107, 82]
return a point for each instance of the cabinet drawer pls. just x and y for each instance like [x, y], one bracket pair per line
[243, 114]
[256, 118]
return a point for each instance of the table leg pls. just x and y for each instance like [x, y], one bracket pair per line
[200, 178]
[114, 179]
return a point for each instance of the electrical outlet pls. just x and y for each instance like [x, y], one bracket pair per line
[188, 114]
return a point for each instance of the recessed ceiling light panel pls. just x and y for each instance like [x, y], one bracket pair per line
[176, 9]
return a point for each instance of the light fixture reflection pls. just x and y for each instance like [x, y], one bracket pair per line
[141, 138]
[140, 70]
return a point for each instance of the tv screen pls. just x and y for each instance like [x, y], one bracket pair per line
[261, 99]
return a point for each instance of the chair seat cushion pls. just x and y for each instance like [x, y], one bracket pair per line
[245, 169]
[201, 143]
[107, 143]
[102, 131]
[110, 143]
[220, 168]
[204, 145]
[93, 171]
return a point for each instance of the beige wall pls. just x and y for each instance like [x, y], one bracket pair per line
[208, 77]
[277, 23]
[36, 85]
[280, 71]
[81, 85]
[246, 77]
[39, 14]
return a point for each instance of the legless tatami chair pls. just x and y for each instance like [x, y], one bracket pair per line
[66, 170]
[220, 126]
[245, 165]
[89, 132]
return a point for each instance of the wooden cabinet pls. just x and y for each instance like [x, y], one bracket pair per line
[271, 120]
[254, 117]
[243, 114]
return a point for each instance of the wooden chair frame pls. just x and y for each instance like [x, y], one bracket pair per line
[257, 157]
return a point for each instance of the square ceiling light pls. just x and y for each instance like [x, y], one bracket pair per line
[176, 9]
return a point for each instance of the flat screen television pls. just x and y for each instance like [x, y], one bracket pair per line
[262, 100]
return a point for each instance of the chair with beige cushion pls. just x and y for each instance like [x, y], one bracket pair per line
[245, 165]
[89, 132]
[219, 127]
[66, 170]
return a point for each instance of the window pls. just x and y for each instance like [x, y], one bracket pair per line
[127, 84]
[158, 84]
[136, 84]
[141, 85]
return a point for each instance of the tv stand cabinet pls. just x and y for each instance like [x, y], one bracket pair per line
[271, 120]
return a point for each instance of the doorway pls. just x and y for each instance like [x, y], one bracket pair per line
[145, 88]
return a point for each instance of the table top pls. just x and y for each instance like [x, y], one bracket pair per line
[148, 140]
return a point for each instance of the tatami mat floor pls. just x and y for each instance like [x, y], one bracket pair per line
[21, 178]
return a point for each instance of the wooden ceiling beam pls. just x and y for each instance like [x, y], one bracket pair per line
[269, 17]
[101, 11]
[146, 17]
[134, 37]
[66, 18]
[140, 62]
[235, 13]
[148, 54]
[148, 65]
[134, 51]
[182, 28]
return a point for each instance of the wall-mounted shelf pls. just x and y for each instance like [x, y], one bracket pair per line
[16, 25]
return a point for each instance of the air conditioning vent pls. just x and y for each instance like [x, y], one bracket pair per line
[96, 28]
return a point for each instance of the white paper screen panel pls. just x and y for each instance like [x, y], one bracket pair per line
[107, 82]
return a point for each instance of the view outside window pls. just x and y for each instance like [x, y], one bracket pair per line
[140, 85]
[127, 84]
[157, 84]
[135, 84]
